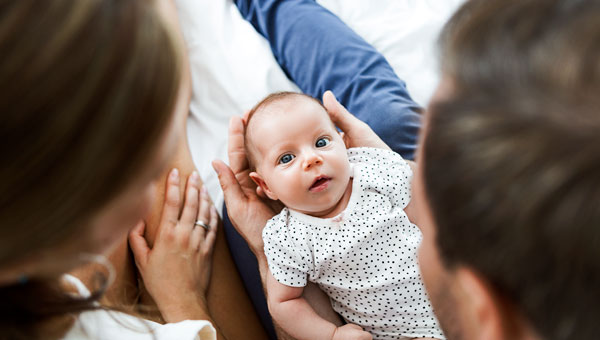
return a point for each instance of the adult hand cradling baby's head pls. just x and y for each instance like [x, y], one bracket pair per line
[356, 133]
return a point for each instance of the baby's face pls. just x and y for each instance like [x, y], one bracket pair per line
[300, 156]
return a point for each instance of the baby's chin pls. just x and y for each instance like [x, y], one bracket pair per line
[322, 209]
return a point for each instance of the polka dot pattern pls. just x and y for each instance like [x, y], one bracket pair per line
[365, 259]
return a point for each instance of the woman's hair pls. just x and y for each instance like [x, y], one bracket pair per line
[512, 157]
[87, 90]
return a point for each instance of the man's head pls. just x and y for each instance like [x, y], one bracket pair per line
[510, 172]
[298, 155]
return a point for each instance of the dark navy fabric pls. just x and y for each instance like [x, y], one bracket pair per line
[248, 268]
[319, 52]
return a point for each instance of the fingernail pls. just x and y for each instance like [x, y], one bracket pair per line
[194, 177]
[203, 191]
[215, 167]
[174, 174]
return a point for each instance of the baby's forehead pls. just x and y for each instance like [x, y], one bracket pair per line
[285, 106]
[280, 109]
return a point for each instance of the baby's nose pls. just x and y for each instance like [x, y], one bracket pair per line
[312, 159]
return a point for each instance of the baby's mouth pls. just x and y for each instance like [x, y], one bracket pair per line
[320, 184]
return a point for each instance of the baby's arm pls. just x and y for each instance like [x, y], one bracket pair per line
[291, 311]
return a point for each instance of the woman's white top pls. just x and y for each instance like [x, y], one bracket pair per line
[112, 325]
[365, 259]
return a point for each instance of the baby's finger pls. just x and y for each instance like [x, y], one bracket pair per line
[211, 235]
[190, 208]
[170, 211]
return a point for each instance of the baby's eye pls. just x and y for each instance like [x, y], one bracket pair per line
[286, 158]
[321, 142]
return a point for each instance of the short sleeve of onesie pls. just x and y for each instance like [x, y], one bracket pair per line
[393, 174]
[289, 259]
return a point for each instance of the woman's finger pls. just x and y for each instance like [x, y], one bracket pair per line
[260, 193]
[245, 117]
[236, 149]
[204, 209]
[170, 213]
[338, 113]
[197, 237]
[356, 132]
[190, 207]
[203, 215]
[138, 244]
[211, 235]
[232, 191]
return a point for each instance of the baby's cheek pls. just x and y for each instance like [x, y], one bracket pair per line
[344, 168]
[286, 186]
[295, 185]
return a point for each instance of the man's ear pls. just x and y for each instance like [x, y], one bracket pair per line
[490, 315]
[261, 183]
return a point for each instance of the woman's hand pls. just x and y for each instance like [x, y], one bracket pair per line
[176, 271]
[247, 211]
[356, 132]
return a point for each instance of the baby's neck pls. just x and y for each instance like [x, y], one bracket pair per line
[338, 207]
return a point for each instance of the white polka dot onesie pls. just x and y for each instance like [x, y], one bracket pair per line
[364, 258]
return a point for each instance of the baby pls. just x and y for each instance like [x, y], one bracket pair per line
[343, 227]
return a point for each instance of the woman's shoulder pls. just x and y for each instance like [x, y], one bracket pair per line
[112, 325]
[102, 324]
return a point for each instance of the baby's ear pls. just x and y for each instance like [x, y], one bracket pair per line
[261, 184]
[344, 139]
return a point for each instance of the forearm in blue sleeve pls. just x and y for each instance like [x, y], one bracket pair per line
[319, 52]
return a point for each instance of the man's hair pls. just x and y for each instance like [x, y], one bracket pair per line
[512, 157]
[268, 100]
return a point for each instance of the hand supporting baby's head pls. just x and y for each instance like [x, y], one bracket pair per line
[297, 154]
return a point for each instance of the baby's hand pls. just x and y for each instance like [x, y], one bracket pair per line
[351, 332]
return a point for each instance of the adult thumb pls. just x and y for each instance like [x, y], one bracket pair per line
[232, 191]
[338, 113]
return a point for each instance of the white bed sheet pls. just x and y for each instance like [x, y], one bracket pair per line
[233, 68]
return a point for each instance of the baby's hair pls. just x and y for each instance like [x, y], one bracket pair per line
[268, 100]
